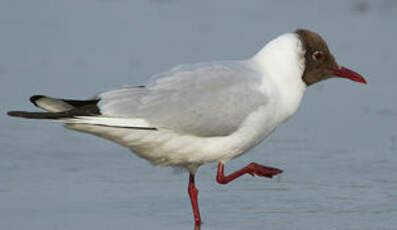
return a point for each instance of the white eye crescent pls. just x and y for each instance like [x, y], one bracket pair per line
[318, 56]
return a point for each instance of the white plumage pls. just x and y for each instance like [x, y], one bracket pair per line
[204, 112]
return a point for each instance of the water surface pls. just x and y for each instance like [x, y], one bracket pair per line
[338, 153]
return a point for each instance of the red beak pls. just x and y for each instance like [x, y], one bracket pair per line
[349, 74]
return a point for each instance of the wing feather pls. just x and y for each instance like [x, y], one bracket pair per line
[201, 99]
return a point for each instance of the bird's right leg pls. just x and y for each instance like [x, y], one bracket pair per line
[252, 169]
[193, 193]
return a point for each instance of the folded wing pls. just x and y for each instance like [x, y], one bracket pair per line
[202, 99]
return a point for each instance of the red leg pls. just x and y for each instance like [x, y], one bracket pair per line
[252, 168]
[193, 193]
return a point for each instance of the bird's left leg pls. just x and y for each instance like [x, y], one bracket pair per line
[252, 169]
[193, 193]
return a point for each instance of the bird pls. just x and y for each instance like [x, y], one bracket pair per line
[199, 113]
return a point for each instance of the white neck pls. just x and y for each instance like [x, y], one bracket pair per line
[282, 60]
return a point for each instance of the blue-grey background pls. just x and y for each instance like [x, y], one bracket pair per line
[338, 153]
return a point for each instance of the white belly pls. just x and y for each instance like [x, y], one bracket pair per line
[166, 148]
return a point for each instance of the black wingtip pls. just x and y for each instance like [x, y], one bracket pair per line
[37, 115]
[16, 113]
[11, 113]
[34, 98]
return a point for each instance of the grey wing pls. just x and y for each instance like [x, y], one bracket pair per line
[202, 99]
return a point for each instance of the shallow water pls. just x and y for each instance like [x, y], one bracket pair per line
[338, 153]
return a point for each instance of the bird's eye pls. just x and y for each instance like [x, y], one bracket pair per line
[318, 56]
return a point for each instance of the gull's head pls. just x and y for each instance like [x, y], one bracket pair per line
[320, 64]
[303, 58]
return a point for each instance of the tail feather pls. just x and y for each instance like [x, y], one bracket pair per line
[82, 111]
[59, 108]
[59, 105]
[74, 112]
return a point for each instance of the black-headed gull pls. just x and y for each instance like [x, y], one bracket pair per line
[206, 112]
